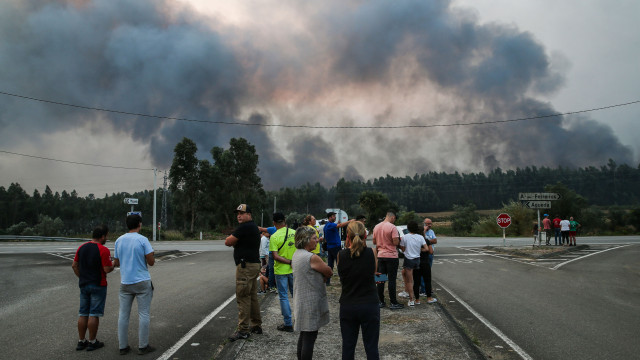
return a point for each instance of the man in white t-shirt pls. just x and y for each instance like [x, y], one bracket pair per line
[134, 255]
[565, 226]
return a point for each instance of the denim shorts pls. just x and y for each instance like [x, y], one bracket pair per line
[411, 263]
[92, 299]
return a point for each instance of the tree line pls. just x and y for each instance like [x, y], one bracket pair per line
[203, 193]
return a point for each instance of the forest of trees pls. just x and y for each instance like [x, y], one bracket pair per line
[203, 193]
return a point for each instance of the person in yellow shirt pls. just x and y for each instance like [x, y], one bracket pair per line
[282, 246]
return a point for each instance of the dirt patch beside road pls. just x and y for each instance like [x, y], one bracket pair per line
[541, 252]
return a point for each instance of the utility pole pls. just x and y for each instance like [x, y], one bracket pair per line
[155, 207]
[163, 216]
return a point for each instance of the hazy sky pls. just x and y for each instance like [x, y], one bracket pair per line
[324, 63]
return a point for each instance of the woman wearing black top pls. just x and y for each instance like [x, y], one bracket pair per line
[359, 305]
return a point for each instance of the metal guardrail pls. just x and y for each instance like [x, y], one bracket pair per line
[40, 238]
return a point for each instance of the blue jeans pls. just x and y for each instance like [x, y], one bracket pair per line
[285, 284]
[92, 299]
[272, 277]
[143, 293]
[558, 236]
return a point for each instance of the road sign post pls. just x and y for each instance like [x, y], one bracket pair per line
[538, 201]
[132, 201]
[504, 220]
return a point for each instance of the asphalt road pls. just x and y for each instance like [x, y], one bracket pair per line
[589, 308]
[39, 307]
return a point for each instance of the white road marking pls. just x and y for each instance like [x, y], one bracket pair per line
[440, 255]
[167, 354]
[60, 256]
[508, 258]
[497, 331]
[586, 256]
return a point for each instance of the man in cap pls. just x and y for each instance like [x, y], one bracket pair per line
[245, 240]
[332, 238]
[282, 246]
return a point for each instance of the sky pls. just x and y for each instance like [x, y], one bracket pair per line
[372, 87]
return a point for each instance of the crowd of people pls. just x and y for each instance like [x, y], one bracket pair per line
[301, 276]
[274, 259]
[564, 231]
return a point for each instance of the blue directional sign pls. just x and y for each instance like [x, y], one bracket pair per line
[134, 213]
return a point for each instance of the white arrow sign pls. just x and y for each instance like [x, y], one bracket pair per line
[131, 201]
[539, 196]
[538, 204]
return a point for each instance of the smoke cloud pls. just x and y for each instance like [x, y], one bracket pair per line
[333, 63]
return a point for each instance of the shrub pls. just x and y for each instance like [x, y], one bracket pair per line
[407, 216]
[170, 235]
[17, 229]
[487, 226]
[463, 219]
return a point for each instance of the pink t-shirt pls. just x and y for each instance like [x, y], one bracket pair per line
[384, 234]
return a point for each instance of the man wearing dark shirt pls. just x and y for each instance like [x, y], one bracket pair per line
[246, 254]
[91, 265]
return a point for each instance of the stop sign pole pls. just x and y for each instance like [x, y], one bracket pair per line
[504, 220]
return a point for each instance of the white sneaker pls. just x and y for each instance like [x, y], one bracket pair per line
[412, 303]
[403, 294]
[432, 301]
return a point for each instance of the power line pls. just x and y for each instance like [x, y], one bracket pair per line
[73, 162]
[317, 126]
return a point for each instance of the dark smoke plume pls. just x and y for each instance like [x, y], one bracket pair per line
[339, 63]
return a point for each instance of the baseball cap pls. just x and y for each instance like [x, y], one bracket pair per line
[278, 217]
[243, 208]
[546, 214]
[271, 230]
[330, 213]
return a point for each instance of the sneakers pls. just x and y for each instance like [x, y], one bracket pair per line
[433, 300]
[260, 292]
[403, 294]
[273, 290]
[417, 302]
[82, 345]
[396, 306]
[256, 330]
[283, 327]
[145, 350]
[382, 305]
[238, 335]
[94, 346]
[412, 303]
[423, 294]
[125, 351]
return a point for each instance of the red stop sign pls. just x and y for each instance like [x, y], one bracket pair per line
[504, 220]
